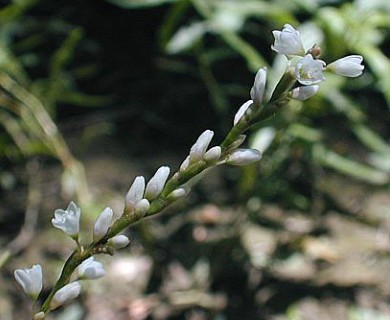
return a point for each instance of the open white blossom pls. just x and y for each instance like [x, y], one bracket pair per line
[68, 220]
[288, 41]
[30, 280]
[102, 224]
[90, 269]
[349, 66]
[309, 70]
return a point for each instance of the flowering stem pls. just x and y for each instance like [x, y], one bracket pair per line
[70, 265]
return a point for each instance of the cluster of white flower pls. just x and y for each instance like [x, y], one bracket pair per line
[69, 222]
[308, 68]
[304, 73]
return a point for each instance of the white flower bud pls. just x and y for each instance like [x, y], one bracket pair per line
[185, 164]
[305, 92]
[102, 224]
[142, 207]
[258, 89]
[240, 113]
[68, 220]
[119, 241]
[90, 269]
[288, 41]
[213, 154]
[30, 280]
[136, 192]
[65, 294]
[200, 146]
[309, 71]
[349, 66]
[157, 183]
[242, 157]
[39, 316]
[178, 193]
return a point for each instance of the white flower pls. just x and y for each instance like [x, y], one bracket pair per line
[309, 71]
[136, 192]
[349, 66]
[257, 91]
[305, 92]
[30, 280]
[241, 112]
[178, 193]
[68, 220]
[102, 224]
[119, 241]
[288, 41]
[90, 269]
[157, 183]
[142, 207]
[65, 294]
[242, 157]
[39, 316]
[200, 146]
[213, 154]
[185, 164]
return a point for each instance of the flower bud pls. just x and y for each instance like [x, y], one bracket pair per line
[242, 157]
[258, 89]
[288, 41]
[102, 224]
[30, 280]
[136, 192]
[39, 316]
[349, 66]
[68, 220]
[178, 193]
[65, 294]
[213, 154]
[142, 207]
[304, 93]
[200, 146]
[241, 112]
[119, 241]
[157, 183]
[185, 164]
[90, 269]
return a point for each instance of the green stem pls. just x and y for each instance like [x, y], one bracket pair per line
[70, 265]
